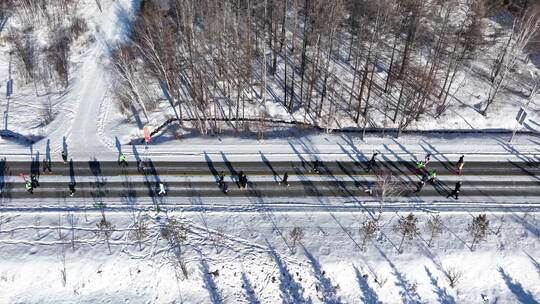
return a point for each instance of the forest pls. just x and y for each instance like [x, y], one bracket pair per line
[361, 63]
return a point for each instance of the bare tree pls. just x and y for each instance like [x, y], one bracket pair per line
[106, 229]
[380, 279]
[474, 32]
[387, 187]
[47, 112]
[154, 39]
[523, 30]
[63, 270]
[453, 276]
[126, 80]
[218, 238]
[140, 230]
[24, 51]
[176, 233]
[72, 220]
[58, 54]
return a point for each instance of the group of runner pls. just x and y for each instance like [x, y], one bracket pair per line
[429, 175]
[421, 167]
[33, 182]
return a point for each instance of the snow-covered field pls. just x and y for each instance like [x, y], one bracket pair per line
[250, 258]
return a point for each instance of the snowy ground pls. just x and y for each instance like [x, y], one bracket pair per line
[256, 262]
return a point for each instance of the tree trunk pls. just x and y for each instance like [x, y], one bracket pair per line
[304, 47]
[399, 103]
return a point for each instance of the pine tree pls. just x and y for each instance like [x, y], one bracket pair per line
[297, 234]
[408, 228]
[478, 229]
[368, 231]
[434, 226]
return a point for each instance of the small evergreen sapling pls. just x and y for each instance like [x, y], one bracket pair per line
[368, 231]
[478, 229]
[435, 227]
[407, 227]
[296, 235]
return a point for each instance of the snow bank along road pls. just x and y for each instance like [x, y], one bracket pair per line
[494, 185]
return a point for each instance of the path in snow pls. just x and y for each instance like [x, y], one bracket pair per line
[85, 135]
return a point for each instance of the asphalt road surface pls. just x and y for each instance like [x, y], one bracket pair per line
[97, 180]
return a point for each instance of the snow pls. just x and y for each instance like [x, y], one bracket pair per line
[253, 253]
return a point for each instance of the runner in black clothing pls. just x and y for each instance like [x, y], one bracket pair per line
[372, 161]
[140, 166]
[422, 182]
[316, 166]
[455, 192]
[35, 181]
[64, 156]
[71, 188]
[221, 178]
[459, 165]
[241, 179]
[46, 165]
[244, 180]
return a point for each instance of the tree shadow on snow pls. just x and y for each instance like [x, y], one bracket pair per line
[118, 144]
[442, 294]
[535, 263]
[209, 283]
[408, 293]
[523, 296]
[368, 294]
[152, 181]
[229, 165]
[325, 286]
[291, 291]
[19, 138]
[269, 165]
[300, 157]
[531, 227]
[361, 157]
[128, 194]
[249, 293]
